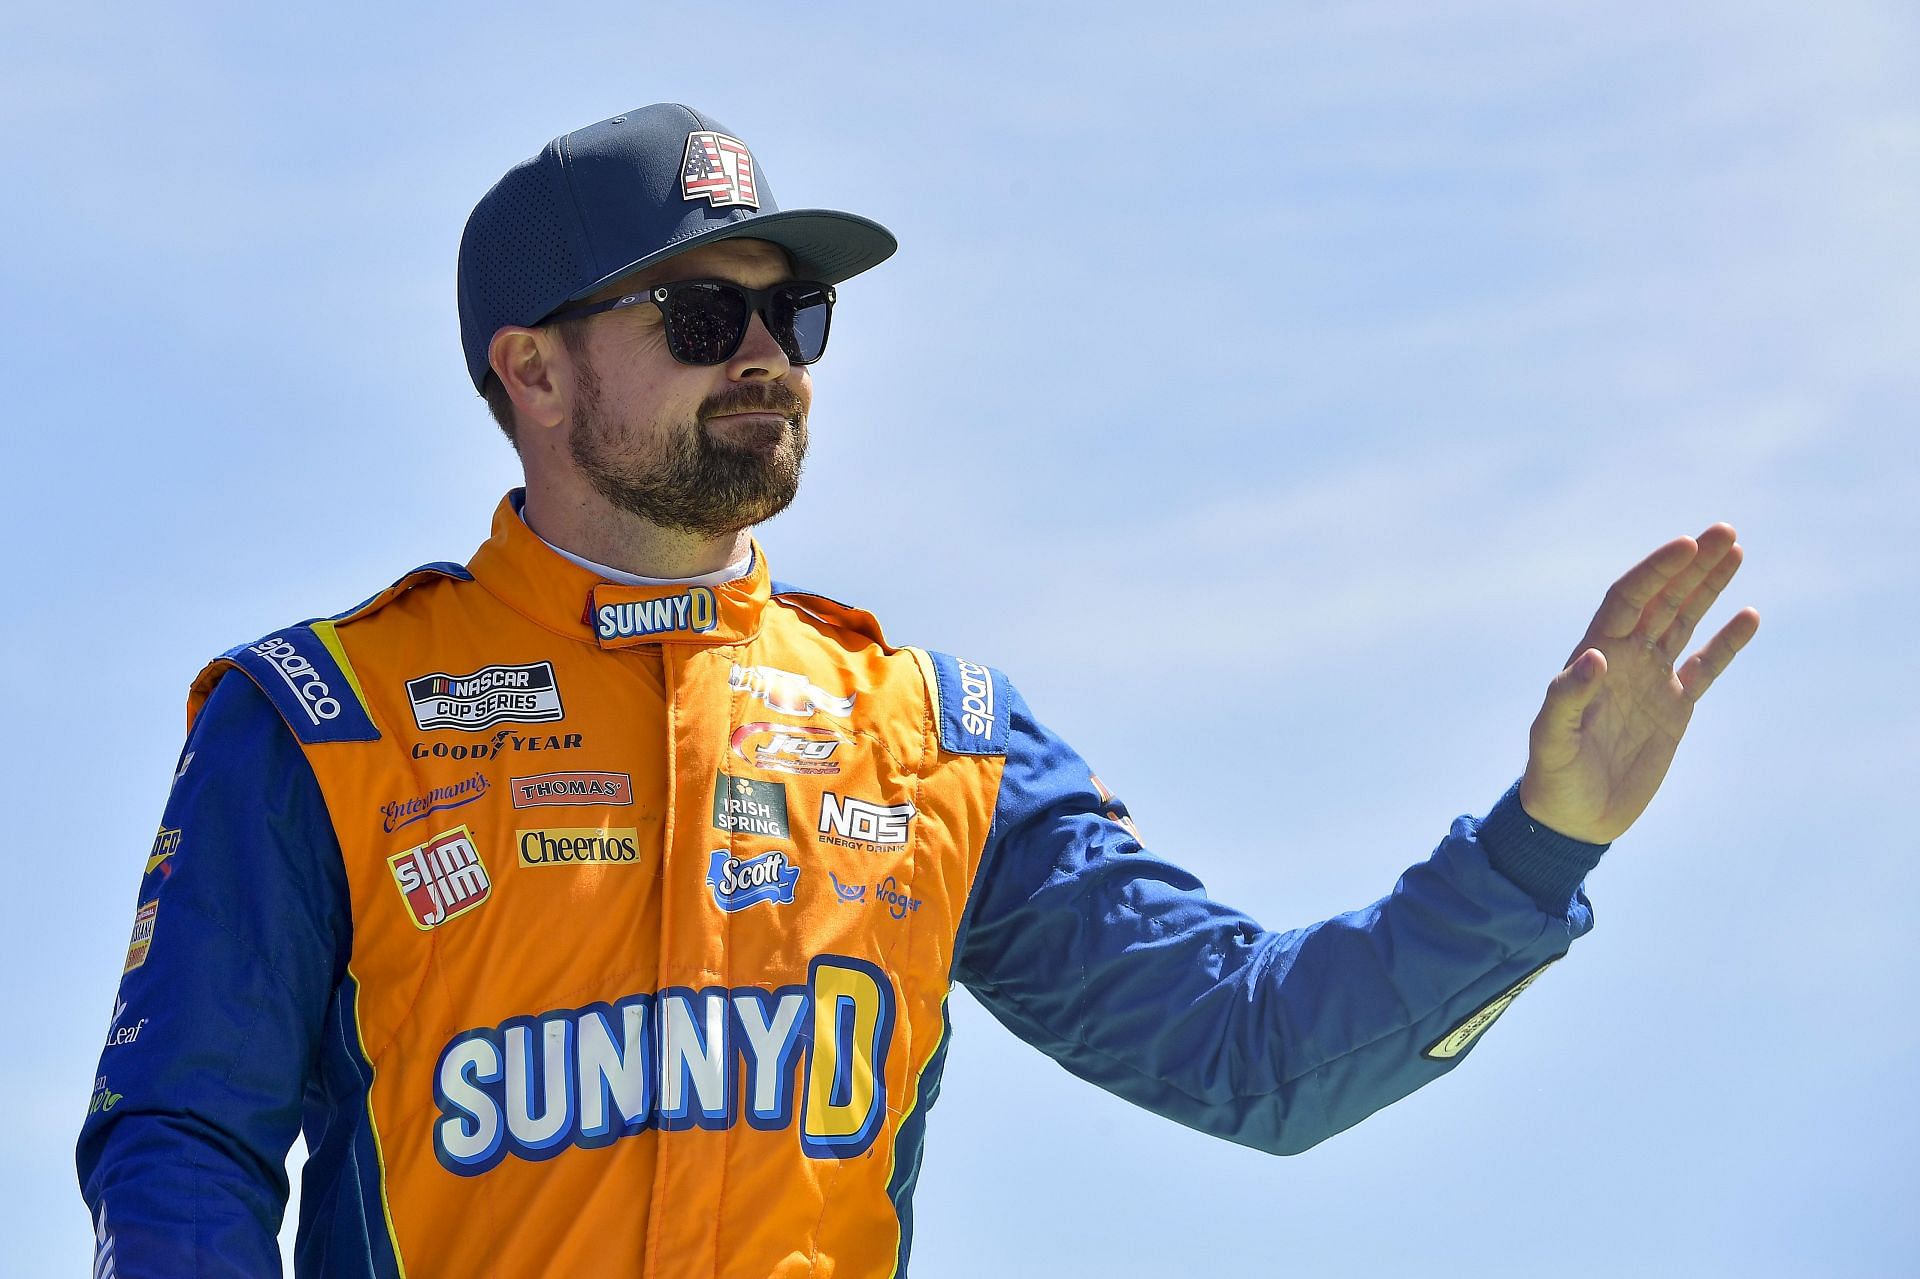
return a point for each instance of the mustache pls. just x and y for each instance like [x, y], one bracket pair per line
[766, 397]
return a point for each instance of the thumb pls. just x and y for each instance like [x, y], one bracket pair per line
[1568, 697]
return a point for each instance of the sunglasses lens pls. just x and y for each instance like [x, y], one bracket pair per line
[705, 322]
[799, 316]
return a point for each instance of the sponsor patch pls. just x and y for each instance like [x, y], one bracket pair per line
[786, 692]
[165, 845]
[787, 748]
[311, 693]
[738, 884]
[417, 808]
[898, 904]
[142, 939]
[442, 878]
[849, 894]
[555, 790]
[749, 807]
[719, 169]
[117, 1035]
[694, 611]
[973, 706]
[1115, 811]
[580, 846]
[1461, 1037]
[104, 1098]
[492, 695]
[504, 742]
[855, 823]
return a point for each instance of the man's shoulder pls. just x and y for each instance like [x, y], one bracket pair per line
[304, 671]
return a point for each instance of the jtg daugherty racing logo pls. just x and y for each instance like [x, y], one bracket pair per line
[739, 884]
[810, 1056]
[783, 748]
[786, 692]
[315, 698]
[695, 611]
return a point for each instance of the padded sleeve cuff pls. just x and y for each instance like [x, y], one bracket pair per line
[1549, 866]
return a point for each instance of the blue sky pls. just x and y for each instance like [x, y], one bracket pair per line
[1271, 390]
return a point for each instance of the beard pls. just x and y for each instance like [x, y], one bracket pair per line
[693, 483]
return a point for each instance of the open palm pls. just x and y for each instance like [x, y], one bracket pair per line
[1602, 742]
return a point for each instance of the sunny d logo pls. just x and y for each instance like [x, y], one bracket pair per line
[739, 884]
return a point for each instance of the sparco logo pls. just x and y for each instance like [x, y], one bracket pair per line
[976, 698]
[855, 821]
[316, 699]
[491, 695]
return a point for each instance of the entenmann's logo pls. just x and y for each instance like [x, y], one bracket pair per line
[580, 846]
[695, 611]
[491, 695]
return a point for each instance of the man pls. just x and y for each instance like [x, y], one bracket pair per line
[592, 907]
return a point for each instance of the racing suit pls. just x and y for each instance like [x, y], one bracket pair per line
[587, 928]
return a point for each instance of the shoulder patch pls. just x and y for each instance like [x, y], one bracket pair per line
[305, 673]
[829, 610]
[308, 682]
[974, 705]
[1461, 1037]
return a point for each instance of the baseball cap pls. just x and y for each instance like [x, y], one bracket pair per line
[610, 199]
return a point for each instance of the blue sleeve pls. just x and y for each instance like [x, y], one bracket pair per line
[241, 933]
[1117, 964]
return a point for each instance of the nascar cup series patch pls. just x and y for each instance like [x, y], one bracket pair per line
[492, 695]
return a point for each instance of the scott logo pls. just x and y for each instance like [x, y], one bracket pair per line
[316, 699]
[739, 884]
[780, 748]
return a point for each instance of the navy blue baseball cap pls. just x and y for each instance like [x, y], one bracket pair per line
[610, 199]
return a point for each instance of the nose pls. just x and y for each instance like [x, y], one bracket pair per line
[760, 358]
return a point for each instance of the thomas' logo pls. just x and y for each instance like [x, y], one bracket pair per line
[315, 698]
[694, 611]
[719, 168]
[417, 808]
[491, 695]
[781, 748]
[142, 940]
[749, 807]
[584, 846]
[560, 789]
[976, 698]
[442, 878]
[738, 884]
[165, 845]
[854, 822]
[786, 692]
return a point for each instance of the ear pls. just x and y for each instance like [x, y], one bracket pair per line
[533, 366]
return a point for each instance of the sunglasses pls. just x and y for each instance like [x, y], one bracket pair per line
[706, 320]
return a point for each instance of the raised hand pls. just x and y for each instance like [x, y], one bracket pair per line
[1601, 745]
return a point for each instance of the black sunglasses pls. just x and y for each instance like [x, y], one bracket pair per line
[706, 320]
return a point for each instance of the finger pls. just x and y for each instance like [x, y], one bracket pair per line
[1568, 697]
[1704, 667]
[1620, 610]
[1671, 598]
[1681, 632]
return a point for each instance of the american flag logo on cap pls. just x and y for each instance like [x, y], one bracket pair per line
[719, 168]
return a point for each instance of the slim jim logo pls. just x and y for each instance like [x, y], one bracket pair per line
[442, 878]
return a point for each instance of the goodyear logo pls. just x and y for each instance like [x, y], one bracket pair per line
[694, 611]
